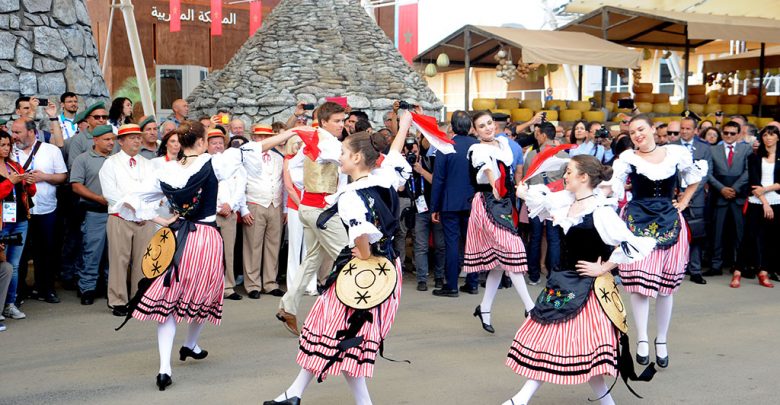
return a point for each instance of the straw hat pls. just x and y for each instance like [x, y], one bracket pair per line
[159, 253]
[128, 129]
[217, 133]
[364, 284]
[262, 130]
[608, 295]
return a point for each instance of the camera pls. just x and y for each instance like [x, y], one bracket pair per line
[14, 239]
[406, 106]
[602, 133]
[544, 117]
[309, 106]
[411, 157]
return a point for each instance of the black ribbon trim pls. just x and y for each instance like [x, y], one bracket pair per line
[349, 338]
[626, 369]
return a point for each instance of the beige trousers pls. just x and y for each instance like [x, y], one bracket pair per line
[321, 245]
[262, 240]
[127, 243]
[227, 228]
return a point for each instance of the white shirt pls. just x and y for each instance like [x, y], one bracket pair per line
[118, 178]
[47, 160]
[729, 147]
[265, 188]
[68, 126]
[330, 151]
[767, 179]
[232, 191]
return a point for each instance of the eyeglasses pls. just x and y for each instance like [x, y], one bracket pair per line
[625, 122]
[729, 133]
[673, 133]
[99, 117]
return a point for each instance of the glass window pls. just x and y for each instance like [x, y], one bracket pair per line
[665, 82]
[617, 83]
[771, 84]
[170, 87]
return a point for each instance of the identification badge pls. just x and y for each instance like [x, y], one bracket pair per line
[9, 212]
[420, 204]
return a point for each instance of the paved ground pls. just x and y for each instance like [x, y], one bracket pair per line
[723, 350]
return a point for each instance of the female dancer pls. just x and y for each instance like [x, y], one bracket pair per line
[568, 338]
[655, 212]
[761, 232]
[492, 241]
[191, 289]
[360, 206]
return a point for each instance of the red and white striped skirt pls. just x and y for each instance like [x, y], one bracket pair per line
[489, 245]
[570, 352]
[661, 272]
[328, 316]
[197, 295]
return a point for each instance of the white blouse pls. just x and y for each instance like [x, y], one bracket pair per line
[677, 158]
[485, 156]
[545, 204]
[767, 179]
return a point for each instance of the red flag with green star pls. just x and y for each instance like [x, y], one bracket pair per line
[406, 35]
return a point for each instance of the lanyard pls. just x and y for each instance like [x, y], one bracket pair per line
[13, 186]
[422, 186]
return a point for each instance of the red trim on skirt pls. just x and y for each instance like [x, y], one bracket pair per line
[489, 245]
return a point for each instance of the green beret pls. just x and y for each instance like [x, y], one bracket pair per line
[93, 107]
[102, 130]
[148, 120]
[80, 117]
[3, 121]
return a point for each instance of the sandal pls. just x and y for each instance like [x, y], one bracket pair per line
[763, 279]
[735, 279]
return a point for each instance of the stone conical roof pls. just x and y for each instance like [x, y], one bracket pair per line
[306, 51]
[46, 49]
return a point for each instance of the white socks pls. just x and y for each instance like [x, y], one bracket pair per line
[525, 394]
[166, 331]
[663, 312]
[359, 389]
[192, 336]
[518, 280]
[599, 388]
[298, 386]
[640, 308]
[491, 287]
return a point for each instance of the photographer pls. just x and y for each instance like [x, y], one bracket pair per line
[601, 136]
[418, 188]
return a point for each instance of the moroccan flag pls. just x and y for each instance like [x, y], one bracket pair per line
[429, 128]
[406, 34]
[546, 161]
[216, 18]
[175, 12]
[310, 143]
[255, 16]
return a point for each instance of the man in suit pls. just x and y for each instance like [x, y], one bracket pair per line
[729, 179]
[694, 214]
[451, 203]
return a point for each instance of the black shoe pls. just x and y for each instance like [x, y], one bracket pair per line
[119, 310]
[235, 297]
[662, 362]
[478, 313]
[88, 297]
[712, 272]
[50, 297]
[698, 279]
[439, 283]
[466, 289]
[276, 292]
[506, 282]
[642, 360]
[422, 286]
[750, 275]
[441, 292]
[163, 380]
[288, 401]
[185, 352]
[255, 295]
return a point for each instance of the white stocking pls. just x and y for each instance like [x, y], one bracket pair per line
[166, 331]
[663, 312]
[192, 336]
[599, 388]
[640, 308]
[298, 386]
[525, 394]
[359, 389]
[522, 289]
[491, 287]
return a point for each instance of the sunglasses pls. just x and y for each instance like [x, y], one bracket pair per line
[674, 133]
[99, 117]
[625, 122]
[729, 133]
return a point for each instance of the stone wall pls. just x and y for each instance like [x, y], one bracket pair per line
[47, 48]
[306, 51]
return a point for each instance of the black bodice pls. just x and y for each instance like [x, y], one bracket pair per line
[582, 242]
[197, 200]
[642, 187]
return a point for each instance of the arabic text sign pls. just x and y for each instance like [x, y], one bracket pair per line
[189, 15]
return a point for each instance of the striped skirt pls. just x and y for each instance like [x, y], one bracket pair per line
[570, 352]
[197, 295]
[489, 245]
[661, 272]
[328, 316]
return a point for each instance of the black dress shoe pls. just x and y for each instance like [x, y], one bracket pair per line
[254, 295]
[468, 290]
[163, 380]
[288, 401]
[235, 297]
[642, 360]
[662, 362]
[698, 279]
[422, 286]
[506, 282]
[712, 272]
[276, 292]
[439, 283]
[119, 310]
[478, 313]
[441, 292]
[51, 298]
[185, 352]
[88, 297]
